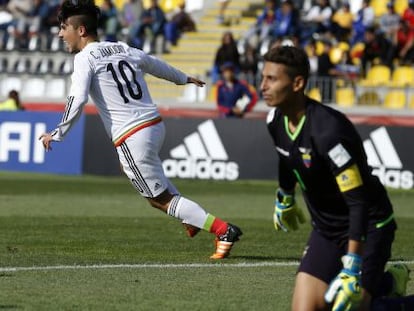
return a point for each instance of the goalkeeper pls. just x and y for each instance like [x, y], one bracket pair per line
[352, 217]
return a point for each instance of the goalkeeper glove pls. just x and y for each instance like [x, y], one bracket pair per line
[345, 291]
[287, 213]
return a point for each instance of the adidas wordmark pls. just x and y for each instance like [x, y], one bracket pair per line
[387, 165]
[201, 155]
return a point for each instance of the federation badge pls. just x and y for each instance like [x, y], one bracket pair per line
[306, 156]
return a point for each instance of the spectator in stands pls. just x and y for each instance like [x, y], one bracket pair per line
[325, 72]
[234, 97]
[404, 43]
[12, 103]
[20, 11]
[6, 21]
[109, 21]
[342, 23]
[365, 19]
[408, 14]
[377, 48]
[223, 4]
[38, 15]
[227, 52]
[129, 18]
[262, 28]
[249, 64]
[317, 20]
[389, 22]
[153, 20]
[52, 20]
[131, 12]
[310, 49]
[180, 22]
[287, 20]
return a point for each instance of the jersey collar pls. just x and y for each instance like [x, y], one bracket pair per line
[294, 135]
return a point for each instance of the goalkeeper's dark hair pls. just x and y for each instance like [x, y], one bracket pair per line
[295, 59]
[84, 12]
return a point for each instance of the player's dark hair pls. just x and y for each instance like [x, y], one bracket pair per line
[295, 59]
[85, 13]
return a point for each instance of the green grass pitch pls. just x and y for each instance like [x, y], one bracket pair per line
[92, 243]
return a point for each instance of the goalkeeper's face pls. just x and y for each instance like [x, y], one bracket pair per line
[277, 87]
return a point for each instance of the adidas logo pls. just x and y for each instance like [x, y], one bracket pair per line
[202, 155]
[387, 165]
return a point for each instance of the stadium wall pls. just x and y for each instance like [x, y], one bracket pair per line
[229, 149]
[196, 146]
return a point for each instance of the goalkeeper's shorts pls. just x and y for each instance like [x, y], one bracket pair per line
[322, 257]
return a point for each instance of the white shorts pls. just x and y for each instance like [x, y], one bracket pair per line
[139, 156]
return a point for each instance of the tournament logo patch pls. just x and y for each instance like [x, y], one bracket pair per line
[306, 156]
[339, 155]
[349, 179]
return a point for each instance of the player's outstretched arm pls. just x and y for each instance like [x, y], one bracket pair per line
[196, 81]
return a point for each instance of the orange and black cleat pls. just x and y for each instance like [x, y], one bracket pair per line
[225, 242]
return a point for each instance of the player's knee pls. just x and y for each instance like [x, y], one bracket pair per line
[161, 201]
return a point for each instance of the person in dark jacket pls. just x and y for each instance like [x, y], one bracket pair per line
[234, 97]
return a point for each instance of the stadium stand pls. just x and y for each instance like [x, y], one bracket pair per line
[400, 6]
[44, 59]
[395, 99]
[377, 75]
[402, 76]
[195, 51]
[345, 97]
[315, 93]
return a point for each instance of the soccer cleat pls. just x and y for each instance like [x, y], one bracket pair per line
[191, 230]
[225, 242]
[400, 274]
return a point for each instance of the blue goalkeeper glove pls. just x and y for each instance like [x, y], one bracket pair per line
[287, 214]
[345, 290]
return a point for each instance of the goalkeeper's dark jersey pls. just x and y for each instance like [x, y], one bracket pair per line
[326, 157]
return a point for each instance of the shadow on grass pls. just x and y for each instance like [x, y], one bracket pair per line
[8, 307]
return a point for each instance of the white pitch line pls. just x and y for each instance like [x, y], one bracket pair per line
[152, 266]
[168, 266]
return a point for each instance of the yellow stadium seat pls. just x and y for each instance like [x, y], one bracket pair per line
[379, 6]
[212, 95]
[335, 55]
[369, 99]
[315, 94]
[345, 97]
[402, 76]
[344, 46]
[119, 4]
[395, 99]
[411, 103]
[400, 6]
[319, 47]
[377, 75]
[166, 5]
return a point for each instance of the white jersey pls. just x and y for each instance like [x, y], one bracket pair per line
[113, 75]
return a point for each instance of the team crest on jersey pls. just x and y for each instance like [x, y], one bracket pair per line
[306, 156]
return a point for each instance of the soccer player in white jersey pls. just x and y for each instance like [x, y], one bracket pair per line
[112, 74]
